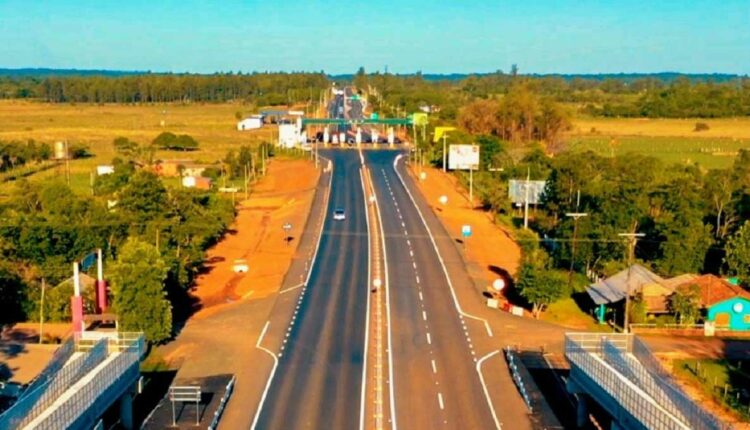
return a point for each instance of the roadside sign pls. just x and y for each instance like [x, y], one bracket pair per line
[463, 157]
[466, 230]
[517, 191]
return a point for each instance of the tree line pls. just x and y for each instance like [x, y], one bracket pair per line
[260, 88]
[633, 96]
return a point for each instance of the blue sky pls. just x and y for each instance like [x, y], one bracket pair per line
[542, 36]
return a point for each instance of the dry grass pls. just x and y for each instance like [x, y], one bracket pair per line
[672, 140]
[213, 125]
[733, 128]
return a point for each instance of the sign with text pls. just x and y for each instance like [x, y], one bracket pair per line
[517, 191]
[463, 157]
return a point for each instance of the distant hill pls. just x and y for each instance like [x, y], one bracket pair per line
[44, 73]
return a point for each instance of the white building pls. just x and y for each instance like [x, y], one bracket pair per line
[251, 123]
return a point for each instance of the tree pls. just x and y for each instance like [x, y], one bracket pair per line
[540, 287]
[138, 292]
[479, 117]
[145, 197]
[171, 141]
[360, 79]
[685, 303]
[125, 146]
[11, 296]
[718, 190]
[738, 253]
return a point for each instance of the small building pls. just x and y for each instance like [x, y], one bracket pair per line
[172, 168]
[250, 123]
[725, 304]
[105, 170]
[612, 290]
[198, 182]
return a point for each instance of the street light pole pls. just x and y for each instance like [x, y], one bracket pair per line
[526, 200]
[632, 240]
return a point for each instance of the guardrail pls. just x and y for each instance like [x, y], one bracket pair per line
[511, 357]
[222, 404]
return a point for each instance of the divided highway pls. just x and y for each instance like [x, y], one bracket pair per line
[319, 377]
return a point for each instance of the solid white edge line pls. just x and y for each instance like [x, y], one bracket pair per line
[486, 391]
[309, 273]
[323, 223]
[437, 251]
[391, 387]
[367, 313]
[270, 378]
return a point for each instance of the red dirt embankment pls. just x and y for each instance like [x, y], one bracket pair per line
[283, 195]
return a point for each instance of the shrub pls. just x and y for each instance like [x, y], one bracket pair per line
[171, 141]
[701, 126]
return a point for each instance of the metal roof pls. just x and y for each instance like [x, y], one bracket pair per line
[614, 288]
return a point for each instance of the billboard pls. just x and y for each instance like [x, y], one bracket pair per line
[517, 191]
[463, 157]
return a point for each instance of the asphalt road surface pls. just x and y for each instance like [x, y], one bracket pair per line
[318, 384]
[436, 383]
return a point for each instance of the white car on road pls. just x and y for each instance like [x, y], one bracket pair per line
[339, 214]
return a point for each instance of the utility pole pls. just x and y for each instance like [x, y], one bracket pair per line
[245, 181]
[67, 163]
[526, 201]
[575, 216]
[471, 187]
[632, 240]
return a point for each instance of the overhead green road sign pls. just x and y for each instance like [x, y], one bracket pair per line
[367, 121]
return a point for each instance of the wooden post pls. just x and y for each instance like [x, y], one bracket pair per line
[41, 313]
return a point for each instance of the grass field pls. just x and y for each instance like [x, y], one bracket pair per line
[672, 140]
[213, 125]
[738, 128]
[708, 152]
